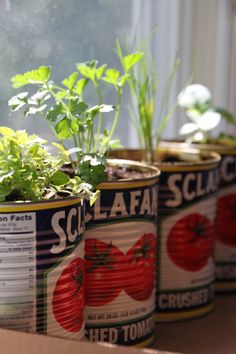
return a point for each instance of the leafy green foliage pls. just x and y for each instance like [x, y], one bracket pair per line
[91, 168]
[28, 172]
[99, 75]
[70, 81]
[143, 81]
[226, 115]
[112, 76]
[130, 60]
[69, 117]
[38, 76]
[90, 70]
[63, 108]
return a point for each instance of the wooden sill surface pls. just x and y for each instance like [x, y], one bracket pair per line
[212, 334]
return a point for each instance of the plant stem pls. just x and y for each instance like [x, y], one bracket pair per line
[118, 106]
[100, 100]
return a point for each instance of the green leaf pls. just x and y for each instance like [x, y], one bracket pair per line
[80, 85]
[60, 179]
[93, 111]
[18, 101]
[106, 108]
[106, 132]
[60, 147]
[74, 126]
[93, 197]
[60, 95]
[5, 175]
[112, 76]
[130, 60]
[34, 150]
[114, 144]
[91, 169]
[28, 172]
[37, 76]
[54, 112]
[100, 71]
[34, 110]
[4, 192]
[5, 131]
[62, 129]
[39, 97]
[33, 139]
[123, 79]
[226, 115]
[74, 150]
[70, 81]
[87, 70]
[76, 106]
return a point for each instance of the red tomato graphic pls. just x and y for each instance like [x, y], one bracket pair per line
[226, 220]
[190, 242]
[141, 268]
[68, 296]
[104, 269]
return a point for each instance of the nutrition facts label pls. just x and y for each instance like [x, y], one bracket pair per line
[18, 270]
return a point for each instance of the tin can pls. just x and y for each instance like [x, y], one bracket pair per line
[120, 254]
[42, 267]
[187, 209]
[225, 225]
[186, 214]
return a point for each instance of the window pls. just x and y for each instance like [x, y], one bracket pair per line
[61, 33]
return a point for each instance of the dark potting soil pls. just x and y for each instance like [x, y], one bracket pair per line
[68, 170]
[116, 173]
[172, 159]
[182, 157]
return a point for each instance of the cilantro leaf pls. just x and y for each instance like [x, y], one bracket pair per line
[37, 76]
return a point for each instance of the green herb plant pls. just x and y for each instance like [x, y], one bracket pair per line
[143, 82]
[69, 117]
[28, 172]
[93, 73]
[196, 100]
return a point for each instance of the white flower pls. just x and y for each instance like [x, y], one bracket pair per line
[198, 136]
[194, 95]
[188, 128]
[208, 120]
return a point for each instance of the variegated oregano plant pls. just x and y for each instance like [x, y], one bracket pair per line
[28, 172]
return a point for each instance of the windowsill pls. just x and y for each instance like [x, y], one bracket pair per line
[214, 333]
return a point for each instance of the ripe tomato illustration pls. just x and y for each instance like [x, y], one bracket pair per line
[226, 220]
[190, 242]
[141, 268]
[104, 270]
[68, 296]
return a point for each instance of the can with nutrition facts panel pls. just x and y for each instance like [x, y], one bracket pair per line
[42, 267]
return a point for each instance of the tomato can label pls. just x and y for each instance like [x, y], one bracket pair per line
[42, 267]
[226, 226]
[120, 254]
[185, 260]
